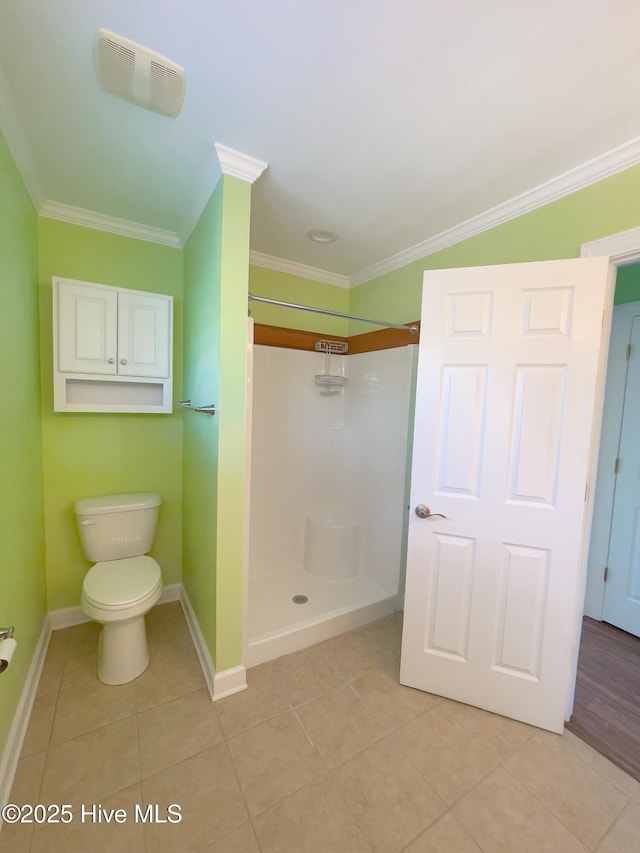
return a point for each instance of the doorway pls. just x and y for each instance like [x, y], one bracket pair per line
[605, 711]
[621, 605]
[613, 582]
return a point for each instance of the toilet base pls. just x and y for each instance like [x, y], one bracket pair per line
[123, 653]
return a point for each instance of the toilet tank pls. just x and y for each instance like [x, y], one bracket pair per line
[112, 527]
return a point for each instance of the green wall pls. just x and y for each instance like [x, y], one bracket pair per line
[96, 454]
[628, 284]
[216, 287]
[293, 288]
[232, 439]
[201, 386]
[556, 230]
[22, 577]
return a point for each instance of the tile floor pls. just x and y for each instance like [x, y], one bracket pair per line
[324, 752]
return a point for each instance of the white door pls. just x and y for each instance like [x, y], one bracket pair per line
[508, 372]
[144, 334]
[87, 328]
[622, 590]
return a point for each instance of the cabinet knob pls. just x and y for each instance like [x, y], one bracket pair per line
[110, 360]
[123, 361]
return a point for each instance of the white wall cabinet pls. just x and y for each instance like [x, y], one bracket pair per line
[112, 348]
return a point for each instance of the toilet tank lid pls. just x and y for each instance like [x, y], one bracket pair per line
[116, 503]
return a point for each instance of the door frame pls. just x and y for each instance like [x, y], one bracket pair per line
[621, 248]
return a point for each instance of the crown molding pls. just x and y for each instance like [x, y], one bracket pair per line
[281, 265]
[239, 165]
[610, 163]
[18, 145]
[111, 224]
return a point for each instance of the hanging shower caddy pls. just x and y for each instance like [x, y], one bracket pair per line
[331, 383]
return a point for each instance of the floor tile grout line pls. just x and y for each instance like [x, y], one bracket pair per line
[326, 775]
[355, 817]
[46, 750]
[250, 817]
[135, 712]
[615, 823]
[167, 701]
[469, 790]
[90, 731]
[254, 725]
[139, 752]
[255, 835]
[376, 740]
[472, 733]
[331, 771]
[342, 683]
[429, 826]
[478, 844]
[595, 769]
[325, 769]
[237, 778]
[555, 816]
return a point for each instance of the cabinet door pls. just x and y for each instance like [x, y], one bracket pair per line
[87, 328]
[144, 334]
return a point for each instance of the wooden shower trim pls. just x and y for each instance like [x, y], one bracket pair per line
[277, 336]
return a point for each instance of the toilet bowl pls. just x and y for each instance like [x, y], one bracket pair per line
[124, 584]
[118, 594]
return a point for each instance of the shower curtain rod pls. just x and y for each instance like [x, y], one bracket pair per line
[265, 301]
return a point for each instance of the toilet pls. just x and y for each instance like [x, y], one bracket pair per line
[117, 532]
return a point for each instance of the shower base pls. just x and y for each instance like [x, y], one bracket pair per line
[277, 626]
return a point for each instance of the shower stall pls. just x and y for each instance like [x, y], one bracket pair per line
[328, 492]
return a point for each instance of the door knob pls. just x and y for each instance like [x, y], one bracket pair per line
[423, 511]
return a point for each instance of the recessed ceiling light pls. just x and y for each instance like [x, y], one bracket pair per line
[322, 235]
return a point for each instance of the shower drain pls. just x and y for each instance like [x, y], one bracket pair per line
[300, 599]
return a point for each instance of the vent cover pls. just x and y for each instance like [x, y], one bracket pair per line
[139, 75]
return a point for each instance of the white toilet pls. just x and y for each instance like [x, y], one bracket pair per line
[117, 531]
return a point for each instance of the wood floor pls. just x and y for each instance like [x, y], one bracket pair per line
[606, 712]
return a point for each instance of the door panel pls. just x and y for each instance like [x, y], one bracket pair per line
[459, 452]
[450, 596]
[87, 323]
[522, 605]
[143, 334]
[535, 440]
[507, 376]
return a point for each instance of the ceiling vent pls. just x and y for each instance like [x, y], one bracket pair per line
[139, 75]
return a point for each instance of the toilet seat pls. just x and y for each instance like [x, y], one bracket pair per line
[118, 584]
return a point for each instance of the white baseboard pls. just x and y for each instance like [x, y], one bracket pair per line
[13, 746]
[171, 592]
[208, 668]
[219, 684]
[229, 681]
[67, 617]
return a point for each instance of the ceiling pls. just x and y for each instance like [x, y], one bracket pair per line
[388, 122]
